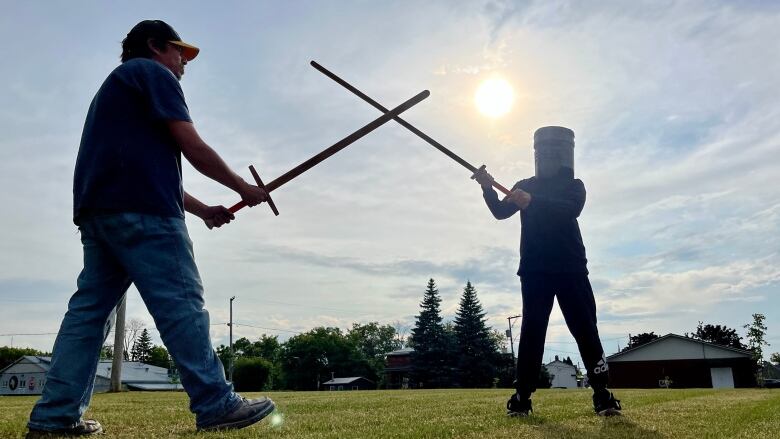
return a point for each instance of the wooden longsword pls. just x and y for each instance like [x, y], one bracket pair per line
[407, 125]
[336, 147]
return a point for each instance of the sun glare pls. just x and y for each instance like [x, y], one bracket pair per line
[494, 97]
[277, 419]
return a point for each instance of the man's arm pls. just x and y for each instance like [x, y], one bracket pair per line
[209, 163]
[213, 216]
[568, 205]
[501, 209]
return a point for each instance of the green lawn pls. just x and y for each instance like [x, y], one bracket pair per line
[697, 413]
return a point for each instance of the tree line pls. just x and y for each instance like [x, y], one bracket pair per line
[461, 353]
[306, 360]
[464, 352]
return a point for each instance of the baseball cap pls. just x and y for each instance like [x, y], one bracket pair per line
[161, 30]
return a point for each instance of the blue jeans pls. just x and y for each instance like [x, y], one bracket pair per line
[155, 253]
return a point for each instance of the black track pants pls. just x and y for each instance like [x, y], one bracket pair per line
[575, 297]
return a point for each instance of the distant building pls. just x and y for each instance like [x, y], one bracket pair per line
[770, 371]
[681, 362]
[350, 383]
[27, 375]
[564, 375]
[398, 369]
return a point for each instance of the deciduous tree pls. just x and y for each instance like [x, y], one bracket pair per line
[756, 335]
[718, 334]
[639, 340]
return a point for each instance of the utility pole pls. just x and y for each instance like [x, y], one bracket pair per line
[230, 368]
[119, 345]
[509, 333]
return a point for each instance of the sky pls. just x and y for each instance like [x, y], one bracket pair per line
[674, 106]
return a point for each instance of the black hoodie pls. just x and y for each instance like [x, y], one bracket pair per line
[550, 240]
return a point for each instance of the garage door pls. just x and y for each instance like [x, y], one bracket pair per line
[722, 378]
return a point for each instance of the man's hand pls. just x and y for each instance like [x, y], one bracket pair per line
[216, 216]
[252, 195]
[483, 178]
[519, 197]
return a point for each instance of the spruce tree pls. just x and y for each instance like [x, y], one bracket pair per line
[476, 350]
[430, 359]
[142, 348]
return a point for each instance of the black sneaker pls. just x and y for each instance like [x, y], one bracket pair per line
[249, 412]
[518, 409]
[605, 404]
[84, 428]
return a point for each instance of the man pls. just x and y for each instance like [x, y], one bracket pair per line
[552, 264]
[129, 205]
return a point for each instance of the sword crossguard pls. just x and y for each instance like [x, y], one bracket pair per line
[474, 175]
[262, 186]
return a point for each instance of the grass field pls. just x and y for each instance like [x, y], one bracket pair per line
[696, 413]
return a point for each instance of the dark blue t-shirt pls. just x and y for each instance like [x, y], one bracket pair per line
[128, 160]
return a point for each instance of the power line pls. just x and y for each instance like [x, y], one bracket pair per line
[574, 342]
[269, 329]
[563, 352]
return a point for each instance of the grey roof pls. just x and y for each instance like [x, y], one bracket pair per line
[404, 351]
[31, 359]
[562, 363]
[692, 340]
[348, 380]
[135, 372]
[155, 386]
[132, 371]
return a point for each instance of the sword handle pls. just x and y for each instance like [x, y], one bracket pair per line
[241, 204]
[236, 207]
[501, 188]
[496, 184]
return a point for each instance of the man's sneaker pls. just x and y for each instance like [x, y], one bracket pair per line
[516, 407]
[605, 404]
[84, 428]
[249, 412]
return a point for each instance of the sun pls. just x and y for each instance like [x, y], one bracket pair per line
[494, 97]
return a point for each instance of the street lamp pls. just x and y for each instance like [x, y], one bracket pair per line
[230, 368]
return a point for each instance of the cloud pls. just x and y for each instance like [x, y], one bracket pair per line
[650, 293]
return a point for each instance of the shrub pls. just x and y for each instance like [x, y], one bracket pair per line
[251, 373]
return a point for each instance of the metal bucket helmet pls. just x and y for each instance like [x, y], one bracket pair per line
[553, 151]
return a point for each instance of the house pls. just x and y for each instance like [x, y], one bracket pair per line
[350, 383]
[398, 369]
[27, 375]
[564, 375]
[681, 362]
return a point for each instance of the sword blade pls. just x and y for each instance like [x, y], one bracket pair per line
[338, 146]
[404, 123]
